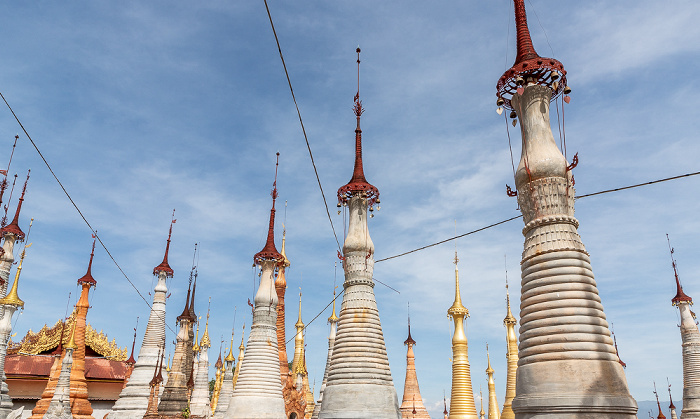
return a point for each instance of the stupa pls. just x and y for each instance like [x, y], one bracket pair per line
[226, 384]
[333, 321]
[512, 359]
[199, 402]
[493, 401]
[359, 368]
[258, 390]
[567, 366]
[412, 403]
[59, 408]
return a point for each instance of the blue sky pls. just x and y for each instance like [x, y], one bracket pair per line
[142, 108]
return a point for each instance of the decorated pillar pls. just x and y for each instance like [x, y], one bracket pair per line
[258, 390]
[359, 368]
[133, 399]
[567, 366]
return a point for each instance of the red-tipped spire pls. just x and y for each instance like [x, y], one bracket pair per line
[164, 267]
[680, 295]
[409, 340]
[13, 227]
[358, 183]
[131, 359]
[269, 252]
[661, 415]
[87, 278]
[528, 66]
[186, 311]
[670, 406]
[219, 362]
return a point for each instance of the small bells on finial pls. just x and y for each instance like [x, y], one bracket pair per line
[554, 76]
[567, 90]
[515, 122]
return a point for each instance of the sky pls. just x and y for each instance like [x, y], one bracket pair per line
[140, 108]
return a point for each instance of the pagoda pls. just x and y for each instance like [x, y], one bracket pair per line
[691, 349]
[462, 396]
[199, 402]
[226, 384]
[298, 387]
[133, 400]
[493, 401]
[59, 408]
[218, 366]
[333, 321]
[258, 390]
[412, 403]
[152, 409]
[567, 363]
[174, 399]
[359, 369]
[512, 359]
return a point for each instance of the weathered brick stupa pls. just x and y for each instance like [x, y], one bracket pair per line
[462, 404]
[691, 350]
[359, 379]
[258, 390]
[333, 321]
[133, 400]
[567, 367]
[174, 399]
[412, 403]
[512, 359]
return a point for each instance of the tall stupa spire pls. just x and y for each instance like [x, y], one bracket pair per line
[511, 356]
[493, 401]
[10, 235]
[462, 397]
[258, 389]
[134, 397]
[691, 347]
[567, 363]
[199, 402]
[412, 406]
[352, 377]
[281, 289]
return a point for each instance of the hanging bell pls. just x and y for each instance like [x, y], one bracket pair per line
[378, 207]
[338, 212]
[500, 101]
[554, 76]
[513, 114]
[515, 122]
[371, 216]
[499, 110]
[339, 204]
[371, 209]
[567, 90]
[378, 201]
[555, 85]
[519, 81]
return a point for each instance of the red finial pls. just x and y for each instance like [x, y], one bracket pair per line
[87, 278]
[13, 227]
[680, 295]
[186, 311]
[219, 363]
[529, 67]
[358, 183]
[131, 359]
[445, 402]
[164, 266]
[269, 252]
[670, 406]
[409, 340]
[661, 415]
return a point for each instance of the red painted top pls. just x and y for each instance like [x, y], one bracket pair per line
[358, 183]
[164, 266]
[13, 227]
[269, 252]
[409, 340]
[87, 278]
[528, 64]
[186, 311]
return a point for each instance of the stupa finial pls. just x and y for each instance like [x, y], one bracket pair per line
[671, 405]
[409, 340]
[529, 67]
[358, 183]
[131, 359]
[164, 266]
[12, 298]
[13, 227]
[269, 252]
[87, 278]
[680, 295]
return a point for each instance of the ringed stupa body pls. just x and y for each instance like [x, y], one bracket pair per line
[412, 406]
[359, 379]
[258, 389]
[333, 321]
[691, 351]
[567, 366]
[512, 360]
[134, 397]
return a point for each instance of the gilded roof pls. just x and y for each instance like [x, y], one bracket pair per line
[47, 339]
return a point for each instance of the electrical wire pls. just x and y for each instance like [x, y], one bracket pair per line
[301, 122]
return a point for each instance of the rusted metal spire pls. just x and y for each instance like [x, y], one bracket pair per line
[186, 311]
[13, 227]
[661, 415]
[87, 278]
[164, 266]
[358, 183]
[131, 359]
[529, 67]
[269, 252]
[409, 340]
[671, 406]
[680, 295]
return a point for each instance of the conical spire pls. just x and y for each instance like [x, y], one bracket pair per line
[13, 227]
[482, 414]
[286, 262]
[680, 295]
[409, 340]
[528, 67]
[658, 404]
[164, 266]
[186, 311]
[298, 363]
[512, 356]
[493, 401]
[616, 351]
[457, 307]
[193, 314]
[71, 341]
[270, 251]
[195, 345]
[12, 298]
[358, 183]
[671, 406]
[334, 318]
[219, 362]
[205, 337]
[87, 278]
[131, 359]
[230, 357]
